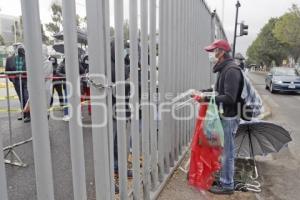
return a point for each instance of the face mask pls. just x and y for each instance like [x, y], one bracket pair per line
[212, 57]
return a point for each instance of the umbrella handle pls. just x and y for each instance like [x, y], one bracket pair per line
[254, 187]
[255, 174]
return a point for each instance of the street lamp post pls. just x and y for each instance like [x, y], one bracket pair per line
[238, 5]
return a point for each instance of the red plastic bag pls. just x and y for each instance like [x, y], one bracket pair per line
[205, 159]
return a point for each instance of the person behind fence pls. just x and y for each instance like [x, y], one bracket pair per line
[229, 86]
[61, 72]
[17, 63]
[84, 85]
[47, 73]
[128, 113]
[56, 83]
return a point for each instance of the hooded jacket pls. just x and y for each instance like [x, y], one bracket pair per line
[229, 86]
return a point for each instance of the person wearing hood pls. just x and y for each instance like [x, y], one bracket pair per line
[17, 63]
[229, 86]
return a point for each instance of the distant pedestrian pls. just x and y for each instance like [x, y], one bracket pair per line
[56, 83]
[16, 63]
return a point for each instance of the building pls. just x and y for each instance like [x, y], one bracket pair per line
[7, 27]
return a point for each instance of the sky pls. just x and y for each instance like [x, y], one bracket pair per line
[254, 13]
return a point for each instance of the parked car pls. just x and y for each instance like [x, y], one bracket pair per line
[283, 79]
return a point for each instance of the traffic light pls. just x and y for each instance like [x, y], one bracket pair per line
[243, 29]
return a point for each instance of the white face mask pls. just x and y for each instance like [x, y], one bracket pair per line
[212, 58]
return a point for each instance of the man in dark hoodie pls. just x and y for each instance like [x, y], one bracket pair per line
[16, 63]
[229, 86]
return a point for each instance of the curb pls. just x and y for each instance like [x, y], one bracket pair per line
[267, 113]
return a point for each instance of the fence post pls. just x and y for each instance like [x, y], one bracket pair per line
[72, 74]
[153, 105]
[135, 125]
[144, 99]
[120, 92]
[3, 183]
[39, 122]
[96, 40]
[161, 79]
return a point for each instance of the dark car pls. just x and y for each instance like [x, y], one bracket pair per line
[283, 79]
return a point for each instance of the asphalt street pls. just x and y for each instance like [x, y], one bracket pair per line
[280, 171]
[21, 181]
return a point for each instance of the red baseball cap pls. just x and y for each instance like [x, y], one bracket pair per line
[221, 44]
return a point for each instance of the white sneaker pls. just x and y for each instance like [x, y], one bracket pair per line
[66, 118]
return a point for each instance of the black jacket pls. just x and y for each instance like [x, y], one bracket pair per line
[229, 86]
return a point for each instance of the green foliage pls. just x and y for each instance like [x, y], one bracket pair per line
[266, 48]
[45, 38]
[287, 31]
[17, 29]
[56, 25]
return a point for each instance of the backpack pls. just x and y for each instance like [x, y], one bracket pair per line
[251, 105]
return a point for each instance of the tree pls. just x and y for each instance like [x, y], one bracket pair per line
[17, 30]
[266, 48]
[2, 41]
[45, 38]
[287, 31]
[56, 25]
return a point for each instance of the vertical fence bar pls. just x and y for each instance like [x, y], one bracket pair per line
[120, 94]
[181, 71]
[107, 42]
[39, 122]
[184, 71]
[96, 33]
[172, 80]
[188, 67]
[167, 60]
[153, 107]
[196, 55]
[145, 97]
[3, 183]
[72, 73]
[135, 130]
[190, 58]
[177, 76]
[161, 89]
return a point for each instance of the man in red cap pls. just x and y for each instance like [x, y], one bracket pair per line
[229, 87]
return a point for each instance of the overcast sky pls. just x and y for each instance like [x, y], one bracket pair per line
[255, 13]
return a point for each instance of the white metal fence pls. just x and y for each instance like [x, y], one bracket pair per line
[184, 28]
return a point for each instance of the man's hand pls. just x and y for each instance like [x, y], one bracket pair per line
[200, 97]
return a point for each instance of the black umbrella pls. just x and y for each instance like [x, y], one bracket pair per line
[260, 138]
[81, 36]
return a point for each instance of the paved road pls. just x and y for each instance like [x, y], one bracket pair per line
[21, 181]
[280, 172]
